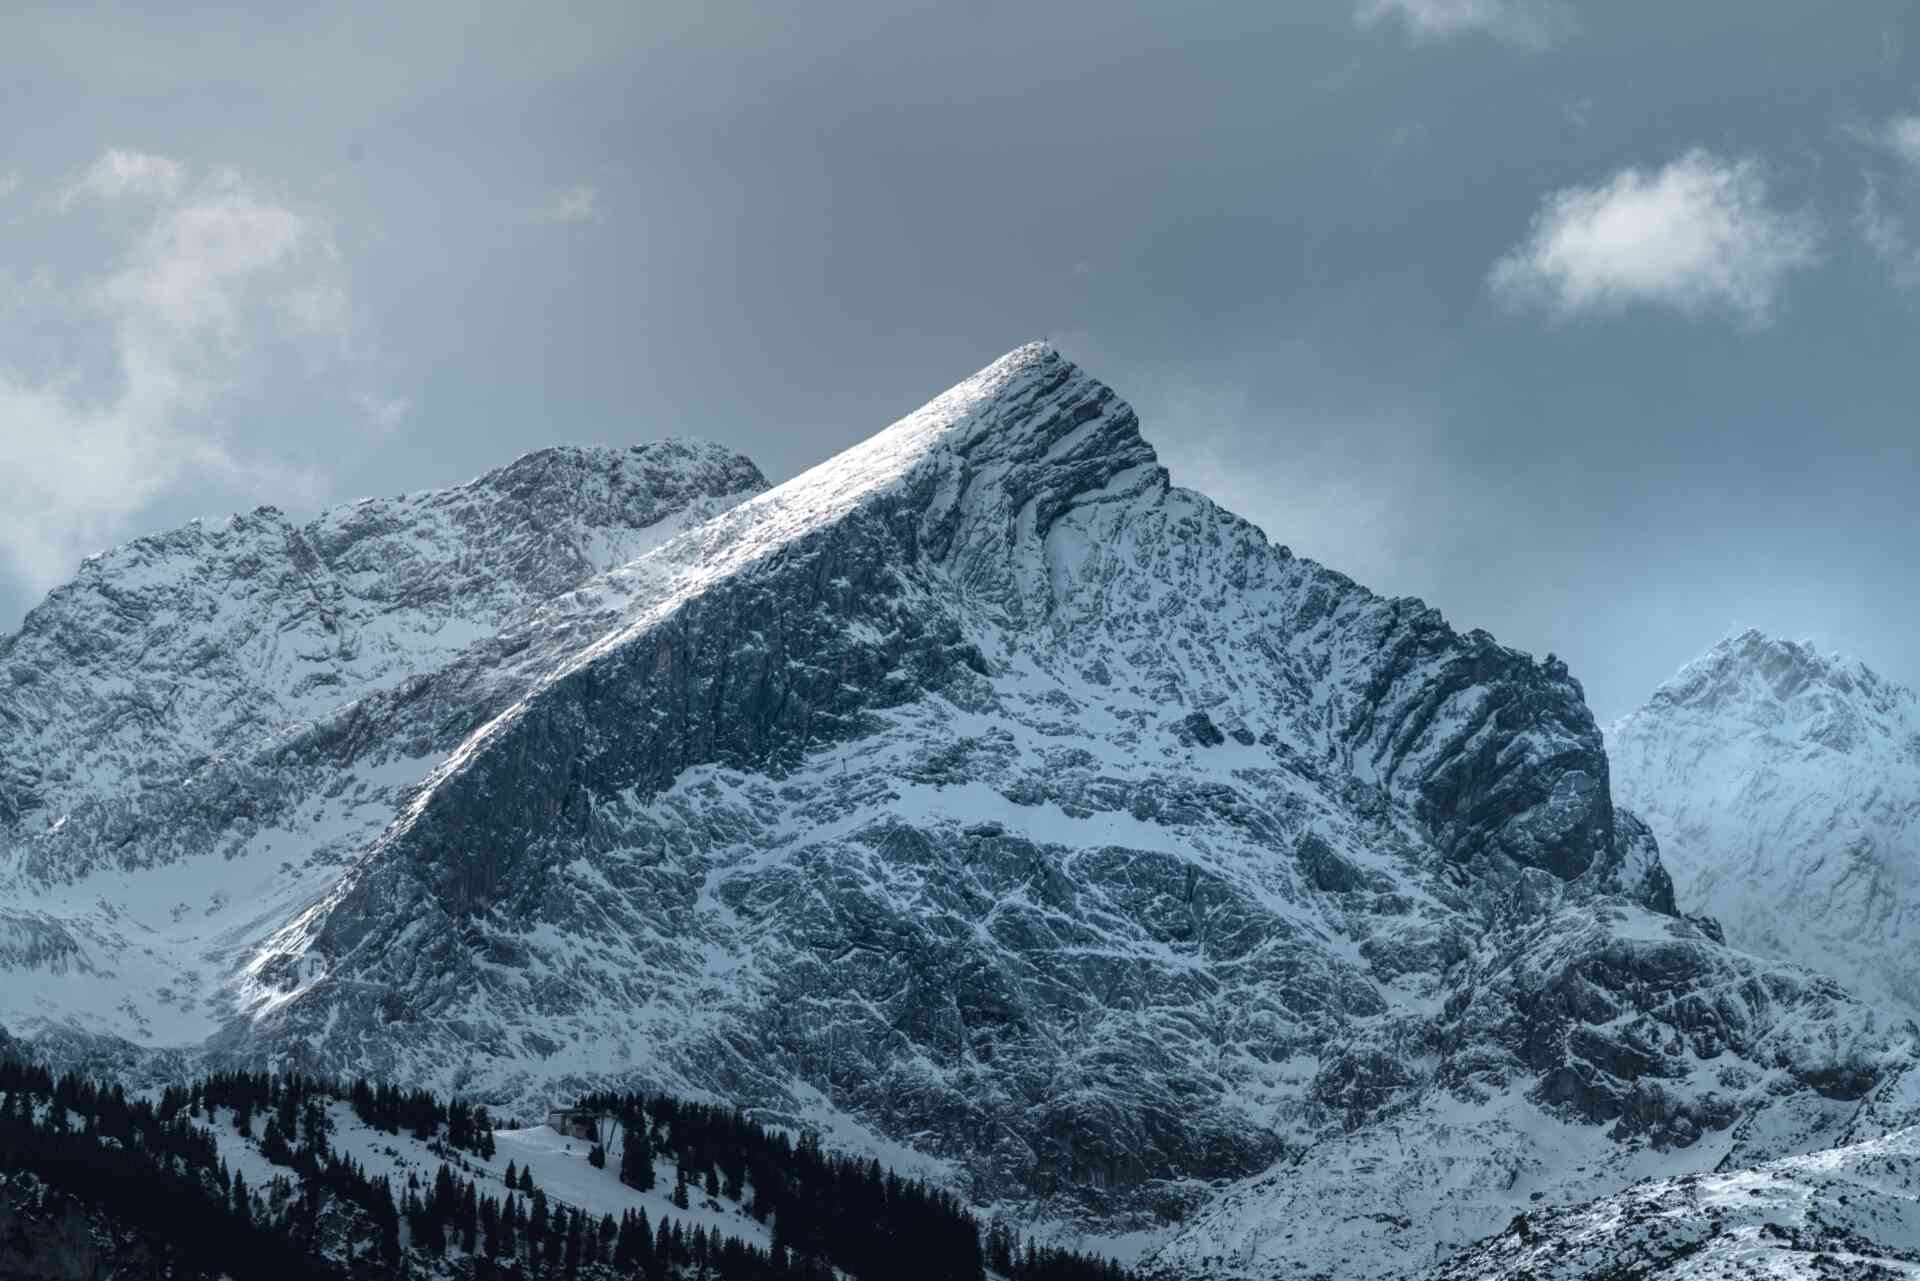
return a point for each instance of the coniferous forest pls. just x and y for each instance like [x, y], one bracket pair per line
[88, 1172]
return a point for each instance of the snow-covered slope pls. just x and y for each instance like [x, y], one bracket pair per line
[978, 794]
[1784, 788]
[1851, 1212]
[142, 703]
[180, 647]
[557, 1163]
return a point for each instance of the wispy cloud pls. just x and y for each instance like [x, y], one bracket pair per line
[1533, 24]
[1884, 213]
[118, 174]
[9, 183]
[1901, 136]
[198, 292]
[1699, 235]
[384, 413]
[575, 204]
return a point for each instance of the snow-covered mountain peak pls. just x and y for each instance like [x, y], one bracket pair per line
[1788, 688]
[630, 486]
[1017, 438]
[179, 646]
[976, 790]
[1784, 789]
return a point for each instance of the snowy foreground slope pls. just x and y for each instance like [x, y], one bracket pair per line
[1849, 1213]
[1784, 788]
[977, 797]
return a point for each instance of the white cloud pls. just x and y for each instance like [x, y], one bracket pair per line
[204, 292]
[1886, 234]
[1883, 223]
[575, 204]
[1699, 235]
[118, 174]
[1531, 23]
[384, 413]
[1902, 137]
[9, 183]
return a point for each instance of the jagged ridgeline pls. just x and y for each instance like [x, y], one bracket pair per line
[979, 798]
[247, 1175]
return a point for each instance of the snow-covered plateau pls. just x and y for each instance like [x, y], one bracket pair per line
[977, 798]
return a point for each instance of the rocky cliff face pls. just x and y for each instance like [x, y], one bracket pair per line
[1784, 787]
[978, 791]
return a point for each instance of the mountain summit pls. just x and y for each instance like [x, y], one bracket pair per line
[1784, 787]
[978, 797]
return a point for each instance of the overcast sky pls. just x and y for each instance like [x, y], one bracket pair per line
[1595, 325]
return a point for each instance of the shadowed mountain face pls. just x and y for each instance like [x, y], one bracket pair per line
[1785, 789]
[977, 790]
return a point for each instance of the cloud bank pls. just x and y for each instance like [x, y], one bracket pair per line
[206, 284]
[1699, 235]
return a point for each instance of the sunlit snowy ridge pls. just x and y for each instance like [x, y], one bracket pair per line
[978, 798]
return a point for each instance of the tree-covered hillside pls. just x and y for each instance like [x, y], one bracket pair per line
[296, 1178]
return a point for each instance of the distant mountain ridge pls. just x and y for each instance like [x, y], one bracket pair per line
[977, 798]
[1784, 787]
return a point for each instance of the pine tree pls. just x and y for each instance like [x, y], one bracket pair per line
[557, 1237]
[662, 1247]
[483, 1134]
[469, 1218]
[636, 1160]
[623, 1252]
[490, 1225]
[509, 1225]
[386, 1219]
[537, 1222]
[576, 1229]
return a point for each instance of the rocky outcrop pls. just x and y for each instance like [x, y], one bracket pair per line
[1854, 1212]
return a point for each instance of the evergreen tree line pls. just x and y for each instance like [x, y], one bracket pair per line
[153, 1168]
[291, 1098]
[826, 1210]
[162, 1178]
[521, 1234]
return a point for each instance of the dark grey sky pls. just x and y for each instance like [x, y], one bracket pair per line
[1595, 325]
